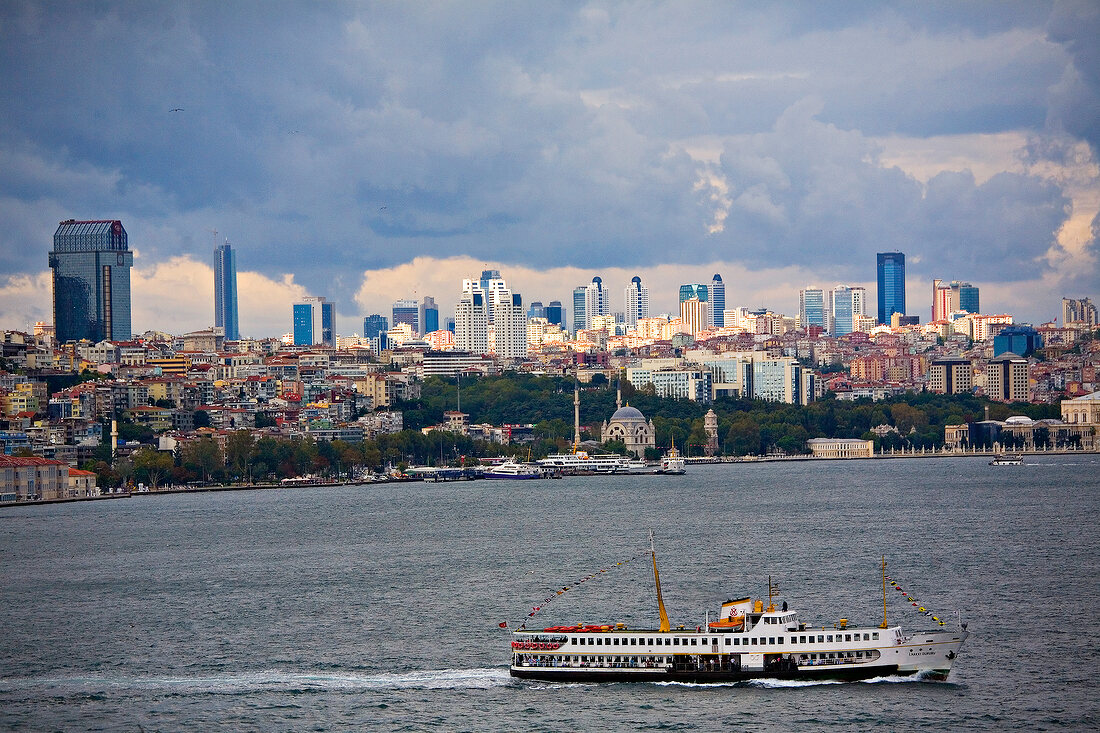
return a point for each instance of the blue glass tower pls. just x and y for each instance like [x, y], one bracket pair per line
[375, 324]
[315, 322]
[555, 313]
[91, 264]
[225, 291]
[717, 301]
[891, 285]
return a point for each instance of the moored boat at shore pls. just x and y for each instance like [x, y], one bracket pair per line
[514, 471]
[749, 640]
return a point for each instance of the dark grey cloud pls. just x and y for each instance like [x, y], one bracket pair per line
[329, 138]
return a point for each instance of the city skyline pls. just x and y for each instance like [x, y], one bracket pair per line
[778, 145]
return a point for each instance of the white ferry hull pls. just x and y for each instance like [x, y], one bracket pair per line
[929, 655]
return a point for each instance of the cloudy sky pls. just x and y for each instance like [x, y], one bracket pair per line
[372, 151]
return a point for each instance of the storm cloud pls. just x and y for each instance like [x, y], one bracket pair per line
[331, 141]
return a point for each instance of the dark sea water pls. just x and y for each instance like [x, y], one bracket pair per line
[376, 607]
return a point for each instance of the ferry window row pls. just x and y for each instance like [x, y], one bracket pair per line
[633, 641]
[730, 640]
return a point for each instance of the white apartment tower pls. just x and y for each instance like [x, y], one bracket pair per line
[510, 329]
[595, 302]
[472, 323]
[637, 302]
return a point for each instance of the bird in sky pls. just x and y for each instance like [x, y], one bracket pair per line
[176, 109]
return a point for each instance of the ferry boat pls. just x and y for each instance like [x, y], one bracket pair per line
[582, 462]
[513, 470]
[1005, 460]
[673, 462]
[748, 641]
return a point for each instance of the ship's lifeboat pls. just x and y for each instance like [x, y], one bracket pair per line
[734, 622]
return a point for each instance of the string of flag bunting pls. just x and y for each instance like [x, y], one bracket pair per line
[914, 601]
[566, 588]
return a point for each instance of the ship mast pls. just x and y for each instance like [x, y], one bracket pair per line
[883, 625]
[665, 625]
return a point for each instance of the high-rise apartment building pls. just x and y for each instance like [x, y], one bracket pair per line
[1006, 378]
[406, 311]
[429, 315]
[225, 291]
[1079, 312]
[595, 301]
[812, 308]
[950, 376]
[891, 285]
[91, 264]
[694, 314]
[845, 303]
[717, 301]
[510, 329]
[472, 323]
[489, 285]
[637, 302]
[314, 322]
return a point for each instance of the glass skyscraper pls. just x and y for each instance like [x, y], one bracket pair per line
[579, 294]
[375, 324]
[891, 285]
[315, 322]
[717, 301]
[91, 264]
[555, 313]
[406, 311]
[812, 310]
[225, 291]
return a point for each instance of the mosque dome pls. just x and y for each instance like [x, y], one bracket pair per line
[627, 413]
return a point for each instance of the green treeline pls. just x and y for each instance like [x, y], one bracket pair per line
[745, 427]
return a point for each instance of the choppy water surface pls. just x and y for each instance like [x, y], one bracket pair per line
[376, 607]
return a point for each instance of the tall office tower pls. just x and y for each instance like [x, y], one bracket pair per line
[429, 315]
[555, 313]
[536, 309]
[942, 300]
[580, 293]
[812, 310]
[1079, 312]
[717, 301]
[225, 291]
[472, 323]
[510, 329]
[595, 301]
[406, 311]
[91, 281]
[891, 285]
[637, 302]
[695, 315]
[375, 324]
[314, 322]
[845, 303]
[694, 290]
[966, 297]
[950, 376]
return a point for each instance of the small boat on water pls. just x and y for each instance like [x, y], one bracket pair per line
[748, 641]
[513, 470]
[1007, 460]
[672, 463]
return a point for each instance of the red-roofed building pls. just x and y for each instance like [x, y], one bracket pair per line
[29, 479]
